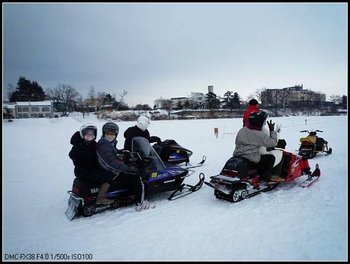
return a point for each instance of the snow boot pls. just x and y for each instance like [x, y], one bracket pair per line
[101, 196]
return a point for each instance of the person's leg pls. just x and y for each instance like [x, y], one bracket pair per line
[104, 178]
[265, 167]
[136, 185]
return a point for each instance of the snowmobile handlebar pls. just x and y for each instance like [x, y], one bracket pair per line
[307, 131]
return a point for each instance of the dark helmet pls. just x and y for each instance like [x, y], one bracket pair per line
[87, 127]
[253, 102]
[257, 119]
[110, 126]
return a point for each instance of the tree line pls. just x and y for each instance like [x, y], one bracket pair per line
[67, 99]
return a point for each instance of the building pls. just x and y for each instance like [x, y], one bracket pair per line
[31, 109]
[177, 102]
[285, 96]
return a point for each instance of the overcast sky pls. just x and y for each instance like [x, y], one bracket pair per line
[169, 50]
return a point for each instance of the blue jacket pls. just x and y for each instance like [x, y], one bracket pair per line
[107, 155]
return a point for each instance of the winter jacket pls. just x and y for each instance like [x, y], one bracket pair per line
[251, 109]
[83, 155]
[134, 131]
[107, 155]
[249, 141]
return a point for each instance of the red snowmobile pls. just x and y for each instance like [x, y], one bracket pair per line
[239, 180]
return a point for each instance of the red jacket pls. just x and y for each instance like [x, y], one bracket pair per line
[251, 109]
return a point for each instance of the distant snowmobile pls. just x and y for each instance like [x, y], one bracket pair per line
[156, 175]
[238, 181]
[312, 144]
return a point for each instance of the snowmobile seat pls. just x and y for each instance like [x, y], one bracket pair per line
[320, 142]
[308, 139]
[239, 167]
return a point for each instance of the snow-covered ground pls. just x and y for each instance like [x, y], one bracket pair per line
[289, 223]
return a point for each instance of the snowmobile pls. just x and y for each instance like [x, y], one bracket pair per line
[170, 151]
[312, 144]
[239, 179]
[156, 175]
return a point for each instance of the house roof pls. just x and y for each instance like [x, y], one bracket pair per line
[35, 103]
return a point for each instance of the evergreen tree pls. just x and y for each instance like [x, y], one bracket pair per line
[236, 101]
[27, 91]
[212, 101]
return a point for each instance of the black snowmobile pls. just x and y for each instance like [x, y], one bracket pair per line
[312, 144]
[170, 151]
[156, 175]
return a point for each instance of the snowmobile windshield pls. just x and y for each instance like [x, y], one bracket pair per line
[142, 146]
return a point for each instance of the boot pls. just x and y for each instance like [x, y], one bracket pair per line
[101, 196]
[275, 178]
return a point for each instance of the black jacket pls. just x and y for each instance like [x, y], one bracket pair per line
[83, 155]
[134, 131]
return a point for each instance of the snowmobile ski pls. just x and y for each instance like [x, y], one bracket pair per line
[190, 166]
[309, 181]
[312, 178]
[186, 189]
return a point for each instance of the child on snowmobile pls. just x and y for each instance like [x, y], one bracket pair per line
[83, 155]
[249, 141]
[139, 130]
[107, 154]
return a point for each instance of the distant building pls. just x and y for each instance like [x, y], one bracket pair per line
[176, 102]
[285, 96]
[199, 98]
[30, 109]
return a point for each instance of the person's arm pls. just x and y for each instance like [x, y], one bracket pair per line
[269, 141]
[109, 161]
[75, 155]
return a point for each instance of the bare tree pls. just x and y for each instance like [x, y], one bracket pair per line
[121, 99]
[66, 94]
[92, 93]
[337, 99]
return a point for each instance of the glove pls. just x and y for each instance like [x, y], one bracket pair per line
[278, 128]
[271, 125]
[156, 139]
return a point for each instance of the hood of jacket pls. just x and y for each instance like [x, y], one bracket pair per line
[76, 139]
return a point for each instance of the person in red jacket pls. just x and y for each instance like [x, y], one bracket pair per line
[252, 108]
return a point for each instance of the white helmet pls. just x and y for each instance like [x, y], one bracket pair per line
[143, 122]
[87, 127]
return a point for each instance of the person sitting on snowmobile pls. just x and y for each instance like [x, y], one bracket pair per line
[139, 130]
[107, 154]
[253, 106]
[251, 138]
[84, 157]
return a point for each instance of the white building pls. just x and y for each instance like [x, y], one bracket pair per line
[33, 109]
